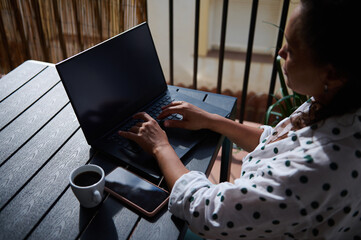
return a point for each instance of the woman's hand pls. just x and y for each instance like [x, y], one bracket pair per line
[194, 118]
[153, 140]
[147, 134]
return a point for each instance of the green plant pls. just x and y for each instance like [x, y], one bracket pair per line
[287, 104]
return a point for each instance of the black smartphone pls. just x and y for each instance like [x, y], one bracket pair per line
[135, 191]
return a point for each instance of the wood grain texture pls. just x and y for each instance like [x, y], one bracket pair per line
[66, 220]
[113, 221]
[165, 227]
[17, 77]
[31, 157]
[16, 103]
[29, 122]
[28, 207]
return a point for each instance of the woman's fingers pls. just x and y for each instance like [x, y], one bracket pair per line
[143, 116]
[175, 103]
[135, 128]
[130, 135]
[174, 124]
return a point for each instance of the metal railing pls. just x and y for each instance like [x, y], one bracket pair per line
[248, 61]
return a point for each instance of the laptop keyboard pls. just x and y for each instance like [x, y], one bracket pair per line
[153, 111]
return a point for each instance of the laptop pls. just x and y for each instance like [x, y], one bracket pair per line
[110, 82]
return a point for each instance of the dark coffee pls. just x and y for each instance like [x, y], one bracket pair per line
[87, 178]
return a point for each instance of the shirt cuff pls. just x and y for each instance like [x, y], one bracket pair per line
[184, 188]
[267, 130]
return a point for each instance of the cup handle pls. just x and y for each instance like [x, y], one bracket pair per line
[97, 198]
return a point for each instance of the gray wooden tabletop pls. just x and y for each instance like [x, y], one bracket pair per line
[41, 142]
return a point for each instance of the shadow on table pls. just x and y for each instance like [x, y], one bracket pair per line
[102, 226]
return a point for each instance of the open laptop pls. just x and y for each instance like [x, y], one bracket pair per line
[110, 82]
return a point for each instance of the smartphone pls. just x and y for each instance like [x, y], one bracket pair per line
[135, 191]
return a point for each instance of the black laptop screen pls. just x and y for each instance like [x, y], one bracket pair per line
[108, 83]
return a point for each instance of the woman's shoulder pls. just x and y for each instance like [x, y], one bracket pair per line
[338, 128]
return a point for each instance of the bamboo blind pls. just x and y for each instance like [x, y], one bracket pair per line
[52, 30]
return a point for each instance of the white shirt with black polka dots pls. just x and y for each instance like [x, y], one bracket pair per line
[305, 186]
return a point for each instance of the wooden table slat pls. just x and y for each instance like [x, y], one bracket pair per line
[29, 122]
[66, 220]
[31, 157]
[20, 75]
[15, 104]
[164, 227]
[109, 222]
[29, 206]
[113, 221]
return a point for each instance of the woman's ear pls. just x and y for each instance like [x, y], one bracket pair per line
[334, 79]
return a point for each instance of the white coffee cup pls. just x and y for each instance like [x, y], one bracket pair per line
[87, 183]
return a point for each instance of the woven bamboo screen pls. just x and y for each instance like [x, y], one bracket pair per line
[52, 30]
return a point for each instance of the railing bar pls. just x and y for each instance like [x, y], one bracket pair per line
[171, 80]
[60, 30]
[252, 28]
[222, 45]
[286, 4]
[196, 43]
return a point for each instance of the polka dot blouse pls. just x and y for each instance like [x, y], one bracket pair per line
[305, 186]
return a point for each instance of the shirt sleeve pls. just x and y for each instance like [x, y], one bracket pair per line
[305, 186]
[247, 209]
[267, 130]
[297, 191]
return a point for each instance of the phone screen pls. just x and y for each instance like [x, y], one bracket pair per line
[135, 189]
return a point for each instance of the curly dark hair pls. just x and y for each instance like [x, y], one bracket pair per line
[330, 30]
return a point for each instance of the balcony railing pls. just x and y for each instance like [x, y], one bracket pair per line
[54, 30]
[248, 60]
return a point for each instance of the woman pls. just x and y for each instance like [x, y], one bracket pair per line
[301, 179]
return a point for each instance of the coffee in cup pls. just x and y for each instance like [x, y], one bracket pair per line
[87, 183]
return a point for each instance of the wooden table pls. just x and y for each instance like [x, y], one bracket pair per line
[41, 143]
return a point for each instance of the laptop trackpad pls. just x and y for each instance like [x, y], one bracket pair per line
[183, 140]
